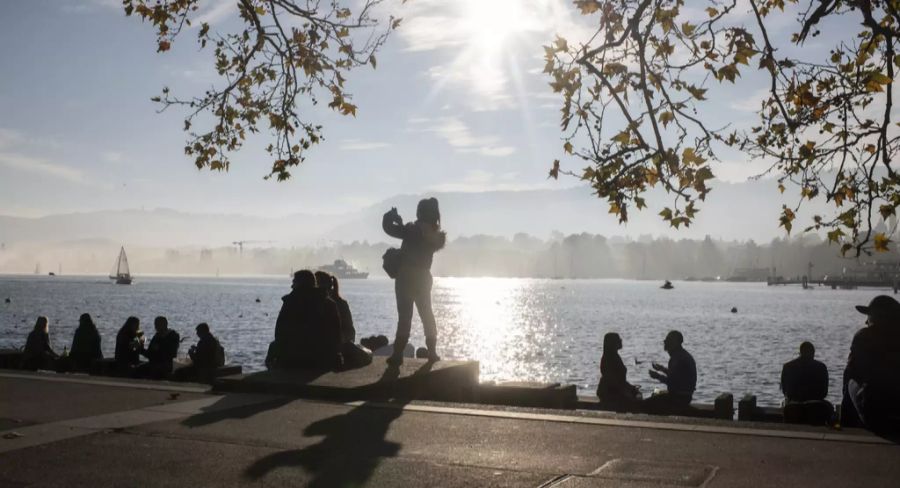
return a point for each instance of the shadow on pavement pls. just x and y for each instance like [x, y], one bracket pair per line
[353, 445]
[235, 406]
[232, 407]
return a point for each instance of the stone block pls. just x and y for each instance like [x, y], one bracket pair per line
[415, 379]
[528, 394]
[747, 407]
[724, 406]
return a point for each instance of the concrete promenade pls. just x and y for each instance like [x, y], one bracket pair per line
[67, 430]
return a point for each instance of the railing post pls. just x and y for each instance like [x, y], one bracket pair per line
[747, 407]
[724, 406]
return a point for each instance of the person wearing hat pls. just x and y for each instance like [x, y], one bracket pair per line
[872, 375]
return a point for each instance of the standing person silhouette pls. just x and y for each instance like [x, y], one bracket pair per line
[421, 239]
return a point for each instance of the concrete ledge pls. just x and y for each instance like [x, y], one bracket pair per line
[454, 381]
[80, 378]
[10, 358]
[696, 410]
[528, 394]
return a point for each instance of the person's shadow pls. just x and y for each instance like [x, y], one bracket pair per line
[353, 445]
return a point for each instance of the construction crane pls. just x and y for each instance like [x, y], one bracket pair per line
[240, 245]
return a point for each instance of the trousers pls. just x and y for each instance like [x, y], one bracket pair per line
[413, 288]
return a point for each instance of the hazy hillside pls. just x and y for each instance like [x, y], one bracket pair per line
[164, 227]
[733, 212]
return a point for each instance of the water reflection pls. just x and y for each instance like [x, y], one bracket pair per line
[496, 323]
[518, 329]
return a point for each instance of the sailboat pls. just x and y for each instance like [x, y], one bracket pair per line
[120, 272]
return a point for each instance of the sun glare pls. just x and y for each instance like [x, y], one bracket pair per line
[491, 23]
[493, 33]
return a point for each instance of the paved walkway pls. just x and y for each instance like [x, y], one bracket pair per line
[84, 432]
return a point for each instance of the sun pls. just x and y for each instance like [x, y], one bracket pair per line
[490, 24]
[492, 35]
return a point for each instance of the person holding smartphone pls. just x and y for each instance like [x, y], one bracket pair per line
[412, 286]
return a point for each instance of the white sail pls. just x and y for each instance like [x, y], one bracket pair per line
[122, 267]
[120, 271]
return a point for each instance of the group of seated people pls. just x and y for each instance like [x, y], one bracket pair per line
[871, 384]
[206, 355]
[314, 329]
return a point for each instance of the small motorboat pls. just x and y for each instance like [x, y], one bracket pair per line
[667, 285]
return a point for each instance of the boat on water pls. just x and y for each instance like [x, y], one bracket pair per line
[667, 285]
[344, 270]
[120, 273]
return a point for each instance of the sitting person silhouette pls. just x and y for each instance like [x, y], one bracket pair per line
[161, 352]
[308, 328]
[207, 355]
[613, 389]
[872, 376]
[129, 344]
[680, 378]
[85, 344]
[804, 382]
[353, 355]
[38, 354]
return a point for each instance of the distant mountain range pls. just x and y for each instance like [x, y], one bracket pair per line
[732, 211]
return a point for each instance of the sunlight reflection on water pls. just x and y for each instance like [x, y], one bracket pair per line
[518, 329]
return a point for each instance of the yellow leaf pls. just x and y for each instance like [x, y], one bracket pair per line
[687, 28]
[622, 138]
[666, 117]
[881, 242]
[587, 7]
[567, 147]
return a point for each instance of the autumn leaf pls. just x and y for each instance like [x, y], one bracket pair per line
[881, 242]
[875, 81]
[666, 117]
[688, 156]
[554, 171]
[587, 7]
[787, 218]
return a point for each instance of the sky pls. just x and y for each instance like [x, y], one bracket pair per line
[458, 103]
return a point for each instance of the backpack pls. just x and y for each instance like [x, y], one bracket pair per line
[391, 261]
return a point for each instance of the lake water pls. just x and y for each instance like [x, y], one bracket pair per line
[518, 329]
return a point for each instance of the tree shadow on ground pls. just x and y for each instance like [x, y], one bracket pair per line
[353, 446]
